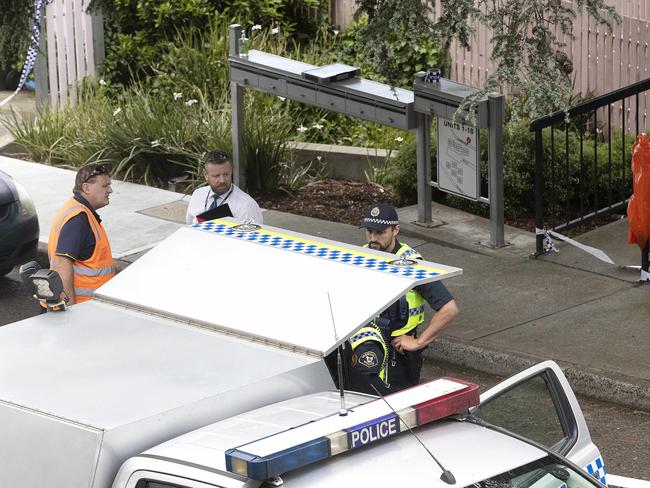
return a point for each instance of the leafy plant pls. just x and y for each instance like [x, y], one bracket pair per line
[403, 51]
[15, 33]
[138, 31]
[295, 174]
[525, 36]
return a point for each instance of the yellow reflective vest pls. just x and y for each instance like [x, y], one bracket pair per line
[413, 298]
[371, 332]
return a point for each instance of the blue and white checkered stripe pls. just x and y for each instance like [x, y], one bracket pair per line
[320, 250]
[597, 469]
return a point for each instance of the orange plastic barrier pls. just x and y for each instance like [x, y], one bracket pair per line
[638, 208]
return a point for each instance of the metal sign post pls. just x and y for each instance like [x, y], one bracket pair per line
[459, 148]
[237, 107]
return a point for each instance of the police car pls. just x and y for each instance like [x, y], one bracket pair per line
[305, 442]
[201, 365]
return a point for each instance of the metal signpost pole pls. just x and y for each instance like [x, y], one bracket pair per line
[423, 157]
[237, 107]
[496, 111]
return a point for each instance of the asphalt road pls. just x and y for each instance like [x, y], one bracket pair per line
[15, 302]
[619, 432]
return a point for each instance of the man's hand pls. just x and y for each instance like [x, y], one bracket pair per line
[440, 321]
[64, 266]
[406, 343]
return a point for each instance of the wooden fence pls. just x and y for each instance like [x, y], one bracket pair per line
[75, 46]
[602, 60]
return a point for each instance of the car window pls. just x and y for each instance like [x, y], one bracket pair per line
[158, 484]
[155, 484]
[531, 409]
[543, 473]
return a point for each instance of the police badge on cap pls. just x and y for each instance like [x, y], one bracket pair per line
[379, 216]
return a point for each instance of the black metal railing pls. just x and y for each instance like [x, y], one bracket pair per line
[582, 172]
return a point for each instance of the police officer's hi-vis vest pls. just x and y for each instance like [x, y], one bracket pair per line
[371, 332]
[413, 298]
[93, 272]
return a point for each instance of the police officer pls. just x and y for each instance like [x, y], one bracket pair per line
[403, 343]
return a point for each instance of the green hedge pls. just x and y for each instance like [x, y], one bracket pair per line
[138, 31]
[519, 171]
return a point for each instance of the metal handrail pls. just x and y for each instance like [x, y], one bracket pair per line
[591, 104]
[587, 107]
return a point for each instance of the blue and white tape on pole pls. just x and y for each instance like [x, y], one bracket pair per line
[32, 53]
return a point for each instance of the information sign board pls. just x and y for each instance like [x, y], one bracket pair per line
[458, 159]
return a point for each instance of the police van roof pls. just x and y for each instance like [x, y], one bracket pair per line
[460, 447]
[270, 285]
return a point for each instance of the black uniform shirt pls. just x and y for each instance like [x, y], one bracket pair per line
[76, 239]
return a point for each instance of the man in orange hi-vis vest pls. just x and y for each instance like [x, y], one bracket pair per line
[78, 246]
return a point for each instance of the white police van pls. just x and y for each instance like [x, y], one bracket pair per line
[201, 366]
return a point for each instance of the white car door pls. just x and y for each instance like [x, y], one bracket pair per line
[539, 404]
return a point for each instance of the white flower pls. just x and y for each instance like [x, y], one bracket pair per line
[102, 82]
[282, 99]
[191, 102]
[275, 30]
[256, 27]
[399, 139]
[317, 126]
[336, 33]
[155, 143]
[302, 128]
[116, 111]
[177, 95]
[319, 158]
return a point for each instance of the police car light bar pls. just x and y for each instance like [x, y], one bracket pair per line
[367, 423]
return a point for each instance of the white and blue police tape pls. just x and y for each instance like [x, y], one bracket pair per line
[32, 53]
[594, 251]
[597, 469]
[625, 482]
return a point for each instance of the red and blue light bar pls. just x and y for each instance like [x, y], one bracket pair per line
[368, 423]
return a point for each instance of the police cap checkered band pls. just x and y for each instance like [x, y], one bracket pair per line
[379, 217]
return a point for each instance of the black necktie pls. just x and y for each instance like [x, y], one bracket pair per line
[214, 202]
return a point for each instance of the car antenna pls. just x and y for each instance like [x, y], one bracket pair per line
[446, 475]
[339, 362]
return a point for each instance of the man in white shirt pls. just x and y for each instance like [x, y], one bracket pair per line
[217, 171]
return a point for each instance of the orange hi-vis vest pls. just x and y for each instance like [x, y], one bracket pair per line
[93, 272]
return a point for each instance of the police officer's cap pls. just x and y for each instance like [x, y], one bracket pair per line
[379, 217]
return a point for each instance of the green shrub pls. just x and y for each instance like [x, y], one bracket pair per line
[151, 138]
[519, 172]
[15, 34]
[138, 31]
[406, 57]
[399, 173]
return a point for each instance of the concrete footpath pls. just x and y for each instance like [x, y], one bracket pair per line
[591, 318]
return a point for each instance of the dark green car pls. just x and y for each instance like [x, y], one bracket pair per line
[18, 225]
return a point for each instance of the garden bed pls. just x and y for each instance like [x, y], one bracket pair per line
[336, 200]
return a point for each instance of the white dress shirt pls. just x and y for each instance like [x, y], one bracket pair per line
[241, 204]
